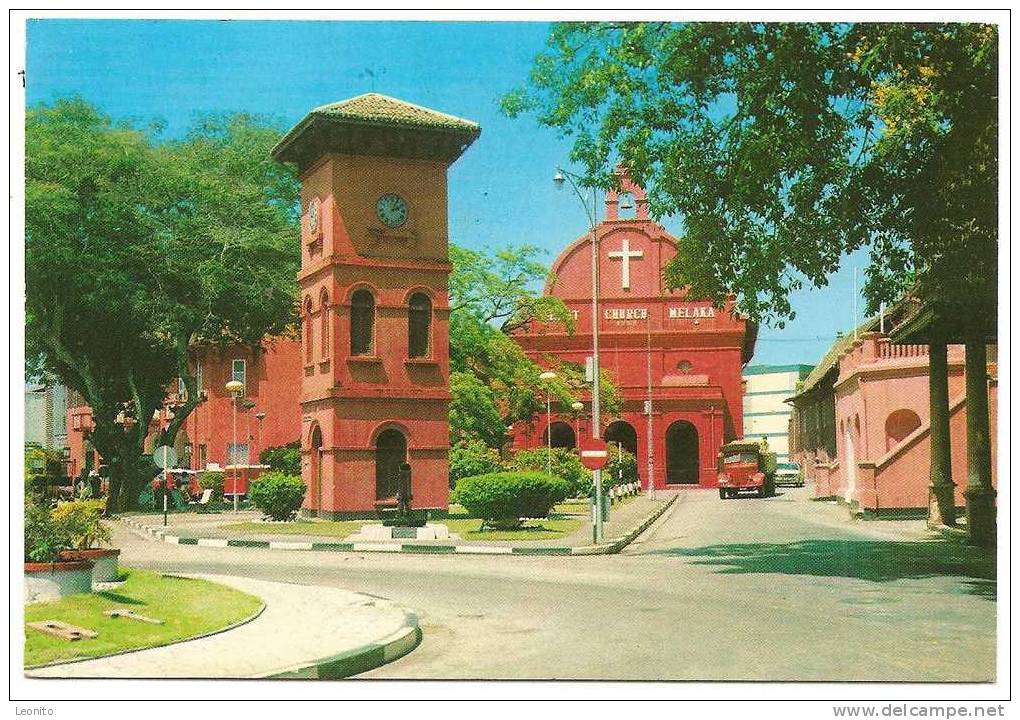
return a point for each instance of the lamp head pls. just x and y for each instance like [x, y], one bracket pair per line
[577, 406]
[547, 375]
[559, 178]
[234, 386]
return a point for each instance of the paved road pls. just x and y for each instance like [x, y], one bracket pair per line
[777, 589]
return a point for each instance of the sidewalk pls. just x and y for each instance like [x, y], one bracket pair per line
[627, 519]
[336, 634]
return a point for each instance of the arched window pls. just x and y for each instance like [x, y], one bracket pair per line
[419, 325]
[898, 425]
[362, 322]
[308, 330]
[324, 320]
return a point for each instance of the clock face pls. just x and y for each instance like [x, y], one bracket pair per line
[392, 210]
[313, 215]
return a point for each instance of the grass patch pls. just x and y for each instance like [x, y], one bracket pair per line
[187, 607]
[549, 528]
[320, 528]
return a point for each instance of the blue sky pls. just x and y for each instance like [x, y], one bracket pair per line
[500, 191]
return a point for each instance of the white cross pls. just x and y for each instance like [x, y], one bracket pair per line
[626, 254]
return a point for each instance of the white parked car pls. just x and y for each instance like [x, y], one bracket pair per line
[789, 473]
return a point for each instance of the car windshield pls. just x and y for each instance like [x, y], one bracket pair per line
[745, 457]
[788, 466]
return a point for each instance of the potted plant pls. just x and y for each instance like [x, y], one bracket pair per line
[81, 522]
[47, 575]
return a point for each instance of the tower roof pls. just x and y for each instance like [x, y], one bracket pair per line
[375, 124]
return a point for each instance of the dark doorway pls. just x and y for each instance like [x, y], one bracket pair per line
[314, 499]
[390, 454]
[622, 432]
[682, 454]
[562, 436]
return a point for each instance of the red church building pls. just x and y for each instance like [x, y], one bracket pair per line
[681, 353]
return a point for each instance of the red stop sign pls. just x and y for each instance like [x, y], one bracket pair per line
[594, 453]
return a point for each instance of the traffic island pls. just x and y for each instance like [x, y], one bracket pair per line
[625, 525]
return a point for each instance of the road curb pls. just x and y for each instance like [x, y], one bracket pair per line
[359, 660]
[609, 547]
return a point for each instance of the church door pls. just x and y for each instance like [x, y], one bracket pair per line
[315, 491]
[390, 454]
[682, 454]
[622, 432]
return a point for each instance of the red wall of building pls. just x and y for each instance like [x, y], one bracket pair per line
[694, 352]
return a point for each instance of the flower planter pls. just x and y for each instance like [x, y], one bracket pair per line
[52, 581]
[104, 560]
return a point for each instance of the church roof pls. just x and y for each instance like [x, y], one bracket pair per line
[374, 124]
[385, 110]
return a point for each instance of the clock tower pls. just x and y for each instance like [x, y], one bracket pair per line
[374, 305]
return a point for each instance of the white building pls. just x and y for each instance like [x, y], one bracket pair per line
[765, 413]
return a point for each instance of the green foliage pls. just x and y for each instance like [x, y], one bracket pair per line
[212, 480]
[472, 457]
[503, 499]
[283, 458]
[279, 496]
[474, 415]
[136, 249]
[44, 538]
[783, 146]
[621, 468]
[563, 463]
[81, 522]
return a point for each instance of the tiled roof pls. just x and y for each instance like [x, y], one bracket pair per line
[384, 110]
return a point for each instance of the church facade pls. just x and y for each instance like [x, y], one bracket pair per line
[682, 354]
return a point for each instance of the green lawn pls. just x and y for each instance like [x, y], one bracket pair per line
[187, 607]
[564, 520]
[322, 528]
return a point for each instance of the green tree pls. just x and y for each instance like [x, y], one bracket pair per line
[782, 146]
[136, 250]
[492, 381]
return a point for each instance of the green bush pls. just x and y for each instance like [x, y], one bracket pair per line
[44, 538]
[284, 459]
[564, 464]
[81, 522]
[212, 480]
[472, 457]
[621, 468]
[277, 495]
[502, 499]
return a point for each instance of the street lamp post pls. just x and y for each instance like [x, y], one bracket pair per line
[559, 178]
[234, 387]
[260, 417]
[577, 406]
[546, 377]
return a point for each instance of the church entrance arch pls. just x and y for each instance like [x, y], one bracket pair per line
[315, 491]
[390, 454]
[622, 432]
[682, 454]
[562, 435]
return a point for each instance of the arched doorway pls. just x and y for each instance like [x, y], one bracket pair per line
[622, 432]
[390, 454]
[682, 454]
[315, 491]
[562, 436]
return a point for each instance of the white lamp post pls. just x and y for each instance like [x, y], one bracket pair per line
[559, 178]
[234, 387]
[577, 406]
[546, 377]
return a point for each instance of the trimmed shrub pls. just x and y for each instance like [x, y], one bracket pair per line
[212, 480]
[502, 499]
[473, 457]
[285, 459]
[565, 464]
[81, 522]
[279, 496]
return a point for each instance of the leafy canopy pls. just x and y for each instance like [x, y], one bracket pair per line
[782, 146]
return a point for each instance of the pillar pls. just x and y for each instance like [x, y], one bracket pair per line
[980, 494]
[942, 488]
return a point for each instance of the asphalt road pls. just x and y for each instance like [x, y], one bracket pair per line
[776, 589]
